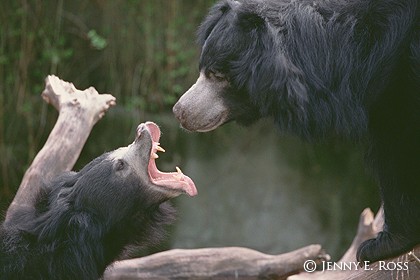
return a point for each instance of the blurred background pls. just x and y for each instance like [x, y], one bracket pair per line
[257, 187]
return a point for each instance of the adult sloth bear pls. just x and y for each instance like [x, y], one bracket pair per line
[83, 221]
[319, 68]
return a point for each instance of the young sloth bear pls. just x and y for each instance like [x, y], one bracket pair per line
[322, 68]
[83, 221]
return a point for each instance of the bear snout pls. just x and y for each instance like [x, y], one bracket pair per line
[178, 111]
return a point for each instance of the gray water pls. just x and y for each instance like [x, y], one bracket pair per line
[256, 187]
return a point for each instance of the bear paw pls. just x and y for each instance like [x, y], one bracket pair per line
[384, 246]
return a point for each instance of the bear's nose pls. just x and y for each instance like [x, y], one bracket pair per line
[177, 111]
[140, 129]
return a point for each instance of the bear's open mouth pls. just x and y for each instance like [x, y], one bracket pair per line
[175, 181]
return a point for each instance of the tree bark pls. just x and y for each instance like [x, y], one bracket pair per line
[78, 113]
[216, 263]
[243, 263]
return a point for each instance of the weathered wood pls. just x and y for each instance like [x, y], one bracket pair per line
[216, 263]
[368, 227]
[405, 266]
[78, 113]
[243, 263]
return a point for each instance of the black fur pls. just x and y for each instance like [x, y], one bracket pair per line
[82, 222]
[320, 68]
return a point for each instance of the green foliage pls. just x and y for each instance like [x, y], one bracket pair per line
[97, 41]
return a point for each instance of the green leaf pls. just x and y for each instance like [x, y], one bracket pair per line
[96, 40]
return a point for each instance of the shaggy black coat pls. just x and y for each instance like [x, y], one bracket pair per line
[321, 68]
[82, 222]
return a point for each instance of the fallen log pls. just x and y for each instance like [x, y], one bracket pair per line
[216, 263]
[243, 263]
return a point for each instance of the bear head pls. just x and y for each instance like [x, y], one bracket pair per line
[119, 187]
[243, 73]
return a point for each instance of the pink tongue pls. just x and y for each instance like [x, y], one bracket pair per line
[171, 180]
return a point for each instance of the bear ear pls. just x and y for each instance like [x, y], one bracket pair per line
[216, 13]
[250, 20]
[59, 186]
[66, 180]
[231, 4]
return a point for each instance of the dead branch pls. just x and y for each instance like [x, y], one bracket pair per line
[368, 228]
[216, 263]
[243, 263]
[78, 113]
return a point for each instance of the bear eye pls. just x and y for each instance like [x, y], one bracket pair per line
[120, 165]
[217, 75]
[220, 77]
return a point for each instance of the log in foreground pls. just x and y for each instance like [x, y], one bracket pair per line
[78, 113]
[405, 266]
[242, 263]
[216, 263]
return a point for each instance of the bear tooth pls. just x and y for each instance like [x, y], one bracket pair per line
[179, 176]
[155, 156]
[160, 149]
